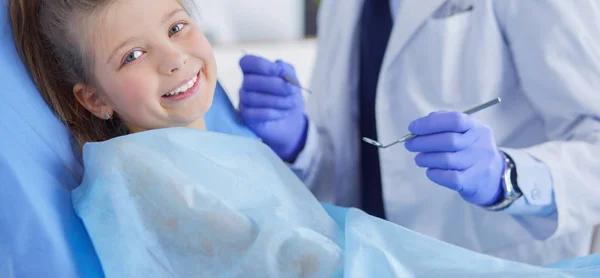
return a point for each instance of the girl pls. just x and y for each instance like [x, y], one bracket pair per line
[108, 69]
[161, 197]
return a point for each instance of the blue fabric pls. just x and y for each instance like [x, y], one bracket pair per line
[222, 116]
[591, 262]
[376, 26]
[180, 202]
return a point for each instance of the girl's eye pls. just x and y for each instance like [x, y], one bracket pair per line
[133, 55]
[176, 29]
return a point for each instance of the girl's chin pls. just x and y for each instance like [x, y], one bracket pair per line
[199, 124]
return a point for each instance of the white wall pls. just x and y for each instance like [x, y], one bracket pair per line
[230, 21]
[270, 28]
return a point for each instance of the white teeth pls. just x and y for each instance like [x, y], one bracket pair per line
[183, 87]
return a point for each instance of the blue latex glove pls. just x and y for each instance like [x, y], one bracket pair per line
[461, 154]
[272, 107]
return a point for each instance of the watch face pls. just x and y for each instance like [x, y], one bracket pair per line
[510, 176]
[513, 179]
[512, 191]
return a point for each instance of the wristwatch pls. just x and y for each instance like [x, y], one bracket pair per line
[511, 190]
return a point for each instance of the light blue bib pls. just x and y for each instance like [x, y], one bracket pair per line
[179, 202]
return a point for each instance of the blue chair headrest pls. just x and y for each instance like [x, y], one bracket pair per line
[40, 235]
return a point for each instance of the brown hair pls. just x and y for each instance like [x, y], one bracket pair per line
[51, 50]
[57, 61]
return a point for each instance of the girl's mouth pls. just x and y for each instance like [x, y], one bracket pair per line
[186, 90]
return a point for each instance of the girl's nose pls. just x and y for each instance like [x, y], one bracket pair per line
[173, 61]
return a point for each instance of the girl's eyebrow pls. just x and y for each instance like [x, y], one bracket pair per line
[171, 14]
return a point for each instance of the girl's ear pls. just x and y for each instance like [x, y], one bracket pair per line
[89, 98]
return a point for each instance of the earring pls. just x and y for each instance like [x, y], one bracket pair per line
[107, 116]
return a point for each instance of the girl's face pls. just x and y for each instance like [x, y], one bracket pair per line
[153, 66]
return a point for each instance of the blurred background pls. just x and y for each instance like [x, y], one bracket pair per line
[275, 29]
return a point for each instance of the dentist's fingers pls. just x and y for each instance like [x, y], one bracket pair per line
[442, 142]
[262, 100]
[447, 160]
[441, 122]
[251, 64]
[251, 114]
[273, 85]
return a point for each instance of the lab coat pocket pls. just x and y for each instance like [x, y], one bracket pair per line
[447, 44]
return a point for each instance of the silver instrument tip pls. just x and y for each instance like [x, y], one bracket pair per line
[372, 142]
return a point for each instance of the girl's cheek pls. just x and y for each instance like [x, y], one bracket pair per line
[131, 94]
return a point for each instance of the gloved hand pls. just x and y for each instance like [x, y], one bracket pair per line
[272, 107]
[461, 154]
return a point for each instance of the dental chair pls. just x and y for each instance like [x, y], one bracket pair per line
[40, 235]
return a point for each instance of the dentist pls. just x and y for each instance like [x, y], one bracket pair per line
[519, 181]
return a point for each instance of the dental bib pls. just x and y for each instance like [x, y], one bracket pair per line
[179, 202]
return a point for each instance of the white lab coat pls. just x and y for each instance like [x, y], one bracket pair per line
[541, 57]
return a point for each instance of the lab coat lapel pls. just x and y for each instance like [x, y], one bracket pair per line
[350, 14]
[411, 15]
[342, 49]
